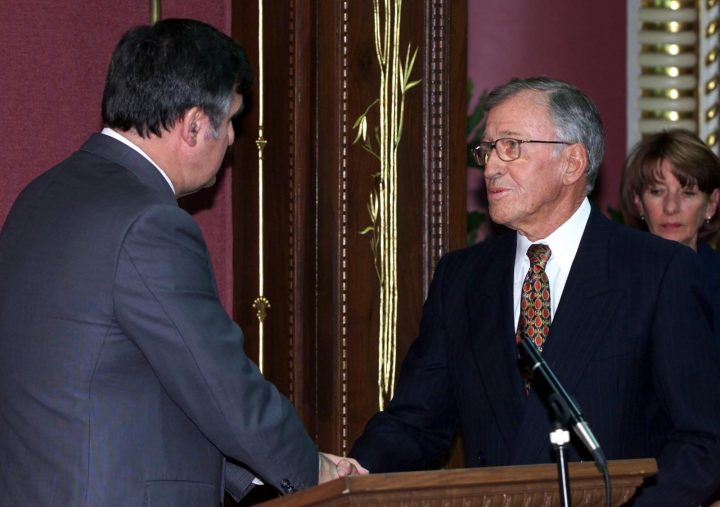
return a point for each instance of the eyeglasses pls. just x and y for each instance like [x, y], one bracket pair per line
[507, 148]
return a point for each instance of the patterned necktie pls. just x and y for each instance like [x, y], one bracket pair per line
[535, 299]
[534, 305]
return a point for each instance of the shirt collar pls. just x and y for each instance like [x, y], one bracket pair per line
[116, 135]
[563, 242]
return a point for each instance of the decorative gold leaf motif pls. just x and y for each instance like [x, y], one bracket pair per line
[382, 207]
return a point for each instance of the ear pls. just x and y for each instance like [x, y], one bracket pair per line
[712, 203]
[191, 124]
[638, 204]
[576, 162]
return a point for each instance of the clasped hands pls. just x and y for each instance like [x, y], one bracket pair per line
[333, 467]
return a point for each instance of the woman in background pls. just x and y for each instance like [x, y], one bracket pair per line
[671, 187]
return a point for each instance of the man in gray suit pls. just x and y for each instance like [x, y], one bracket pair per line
[122, 379]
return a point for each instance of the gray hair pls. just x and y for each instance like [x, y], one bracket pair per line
[573, 114]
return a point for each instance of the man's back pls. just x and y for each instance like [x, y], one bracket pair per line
[82, 407]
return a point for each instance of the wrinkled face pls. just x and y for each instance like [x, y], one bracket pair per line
[212, 147]
[675, 212]
[524, 194]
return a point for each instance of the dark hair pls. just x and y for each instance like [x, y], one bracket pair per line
[692, 163]
[574, 116]
[160, 71]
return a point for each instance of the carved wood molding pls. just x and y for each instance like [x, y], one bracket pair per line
[509, 486]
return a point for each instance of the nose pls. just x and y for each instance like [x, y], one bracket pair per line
[671, 203]
[493, 165]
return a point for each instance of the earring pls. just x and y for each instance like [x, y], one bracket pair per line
[707, 220]
[642, 218]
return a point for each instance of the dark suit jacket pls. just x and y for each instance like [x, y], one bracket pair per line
[123, 382]
[710, 262]
[631, 340]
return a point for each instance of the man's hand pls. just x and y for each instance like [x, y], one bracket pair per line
[332, 467]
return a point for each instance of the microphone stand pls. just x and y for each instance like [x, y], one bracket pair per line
[568, 413]
[560, 438]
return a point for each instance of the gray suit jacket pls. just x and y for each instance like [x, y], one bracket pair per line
[123, 382]
[631, 341]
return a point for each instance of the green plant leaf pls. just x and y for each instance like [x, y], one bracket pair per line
[474, 220]
[474, 124]
[616, 214]
[475, 119]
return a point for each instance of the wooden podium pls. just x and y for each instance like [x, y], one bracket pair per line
[526, 486]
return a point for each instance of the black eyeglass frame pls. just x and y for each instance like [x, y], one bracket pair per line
[482, 159]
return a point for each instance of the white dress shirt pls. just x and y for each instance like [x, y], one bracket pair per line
[563, 243]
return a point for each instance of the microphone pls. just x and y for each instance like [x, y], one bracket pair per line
[569, 411]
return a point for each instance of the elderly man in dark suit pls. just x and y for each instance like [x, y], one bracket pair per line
[122, 379]
[623, 319]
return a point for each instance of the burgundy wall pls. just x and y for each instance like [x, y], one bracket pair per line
[578, 41]
[53, 57]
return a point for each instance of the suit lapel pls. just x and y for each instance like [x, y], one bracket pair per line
[492, 331]
[576, 330]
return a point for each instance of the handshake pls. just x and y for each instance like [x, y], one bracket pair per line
[333, 467]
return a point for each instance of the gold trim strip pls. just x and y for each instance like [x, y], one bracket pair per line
[155, 11]
[261, 303]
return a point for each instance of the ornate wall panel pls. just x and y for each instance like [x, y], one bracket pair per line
[319, 271]
[673, 67]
